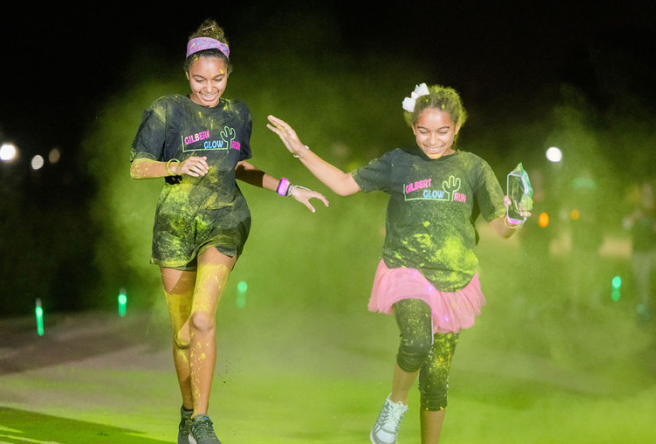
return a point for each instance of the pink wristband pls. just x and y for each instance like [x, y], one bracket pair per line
[513, 221]
[283, 186]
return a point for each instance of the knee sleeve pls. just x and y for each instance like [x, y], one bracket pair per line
[414, 319]
[413, 352]
[434, 375]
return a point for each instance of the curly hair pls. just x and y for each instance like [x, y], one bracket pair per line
[209, 28]
[440, 97]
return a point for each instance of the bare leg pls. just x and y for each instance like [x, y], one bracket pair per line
[179, 290]
[431, 425]
[213, 272]
[401, 384]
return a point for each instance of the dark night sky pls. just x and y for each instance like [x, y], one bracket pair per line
[60, 62]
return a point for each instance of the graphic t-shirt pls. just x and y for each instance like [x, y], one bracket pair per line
[193, 212]
[431, 211]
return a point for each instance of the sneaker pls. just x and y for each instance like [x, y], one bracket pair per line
[184, 429]
[202, 431]
[387, 425]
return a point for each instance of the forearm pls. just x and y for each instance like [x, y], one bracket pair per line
[254, 176]
[503, 228]
[149, 169]
[338, 181]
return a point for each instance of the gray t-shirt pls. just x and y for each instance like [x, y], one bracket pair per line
[431, 211]
[193, 212]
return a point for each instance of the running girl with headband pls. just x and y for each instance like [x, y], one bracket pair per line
[200, 144]
[427, 276]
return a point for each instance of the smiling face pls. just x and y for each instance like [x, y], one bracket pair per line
[208, 78]
[435, 133]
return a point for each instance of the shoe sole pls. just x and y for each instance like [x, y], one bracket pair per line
[373, 441]
[193, 441]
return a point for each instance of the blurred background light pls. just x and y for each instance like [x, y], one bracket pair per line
[616, 283]
[54, 155]
[38, 311]
[122, 302]
[8, 152]
[37, 162]
[554, 154]
[242, 287]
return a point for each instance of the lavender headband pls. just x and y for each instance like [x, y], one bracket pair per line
[202, 43]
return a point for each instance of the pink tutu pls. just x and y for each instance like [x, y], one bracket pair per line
[452, 311]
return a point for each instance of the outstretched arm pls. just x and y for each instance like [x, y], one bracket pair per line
[251, 174]
[338, 181]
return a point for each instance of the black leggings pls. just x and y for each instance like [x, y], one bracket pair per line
[423, 351]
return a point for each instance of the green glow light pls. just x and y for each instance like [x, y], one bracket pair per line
[39, 318]
[617, 282]
[242, 286]
[615, 295]
[122, 303]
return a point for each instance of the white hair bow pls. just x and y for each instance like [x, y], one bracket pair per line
[409, 102]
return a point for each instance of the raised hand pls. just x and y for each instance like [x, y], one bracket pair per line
[287, 135]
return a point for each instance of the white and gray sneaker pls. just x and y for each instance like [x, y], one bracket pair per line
[387, 425]
[184, 429]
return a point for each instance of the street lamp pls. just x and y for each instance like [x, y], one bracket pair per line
[8, 152]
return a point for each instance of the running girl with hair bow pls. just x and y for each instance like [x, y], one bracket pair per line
[427, 276]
